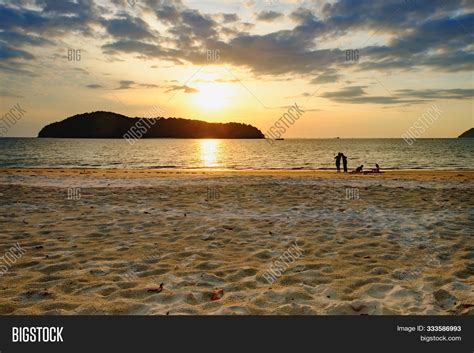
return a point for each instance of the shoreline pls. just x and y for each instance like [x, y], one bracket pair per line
[143, 172]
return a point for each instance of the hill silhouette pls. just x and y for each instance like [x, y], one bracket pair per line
[468, 133]
[103, 124]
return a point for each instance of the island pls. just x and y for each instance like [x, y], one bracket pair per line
[469, 133]
[103, 124]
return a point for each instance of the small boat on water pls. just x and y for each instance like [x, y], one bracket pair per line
[279, 139]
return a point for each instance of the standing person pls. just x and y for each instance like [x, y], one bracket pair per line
[344, 162]
[338, 161]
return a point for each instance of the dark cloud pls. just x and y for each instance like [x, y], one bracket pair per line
[186, 26]
[56, 18]
[142, 49]
[196, 24]
[303, 15]
[7, 53]
[125, 84]
[128, 27]
[439, 43]
[229, 17]
[166, 12]
[64, 7]
[328, 76]
[148, 85]
[357, 95]
[346, 92]
[94, 86]
[18, 19]
[21, 39]
[16, 68]
[269, 16]
[457, 61]
[388, 16]
[456, 93]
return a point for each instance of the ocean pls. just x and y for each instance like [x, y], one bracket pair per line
[293, 154]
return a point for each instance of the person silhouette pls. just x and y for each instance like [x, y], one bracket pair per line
[338, 161]
[344, 162]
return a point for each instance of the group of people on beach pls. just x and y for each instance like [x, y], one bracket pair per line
[338, 162]
[357, 170]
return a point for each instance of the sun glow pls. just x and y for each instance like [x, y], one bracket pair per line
[213, 95]
[209, 152]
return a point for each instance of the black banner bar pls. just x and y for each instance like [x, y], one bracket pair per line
[248, 333]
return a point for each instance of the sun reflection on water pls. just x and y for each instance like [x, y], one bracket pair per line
[209, 152]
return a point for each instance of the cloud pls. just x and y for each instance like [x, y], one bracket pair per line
[219, 80]
[433, 35]
[346, 92]
[16, 68]
[389, 16]
[269, 16]
[142, 49]
[8, 94]
[22, 39]
[7, 53]
[148, 85]
[55, 19]
[16, 19]
[328, 76]
[456, 93]
[277, 54]
[128, 84]
[229, 17]
[455, 61]
[128, 27]
[64, 7]
[94, 86]
[357, 95]
[439, 43]
[125, 84]
[185, 88]
[186, 26]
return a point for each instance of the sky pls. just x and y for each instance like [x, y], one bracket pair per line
[355, 68]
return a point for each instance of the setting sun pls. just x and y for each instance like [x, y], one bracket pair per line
[213, 95]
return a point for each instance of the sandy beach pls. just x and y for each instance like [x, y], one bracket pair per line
[102, 241]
